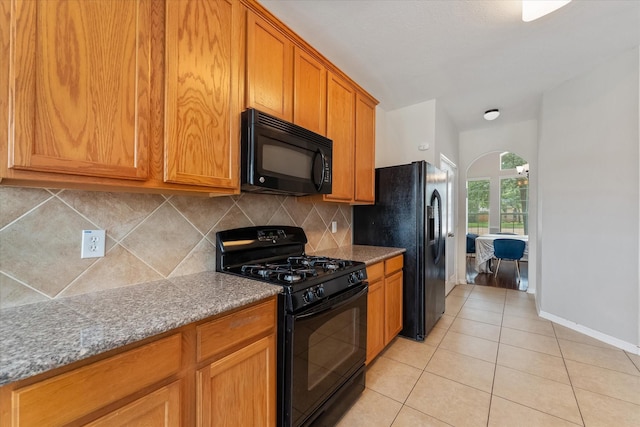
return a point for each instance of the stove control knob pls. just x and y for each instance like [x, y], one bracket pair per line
[320, 291]
[309, 296]
[353, 278]
[360, 274]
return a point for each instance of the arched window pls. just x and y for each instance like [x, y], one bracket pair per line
[498, 194]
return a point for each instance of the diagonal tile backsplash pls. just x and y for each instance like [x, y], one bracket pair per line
[149, 237]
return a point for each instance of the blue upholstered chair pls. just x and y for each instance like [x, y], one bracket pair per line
[508, 249]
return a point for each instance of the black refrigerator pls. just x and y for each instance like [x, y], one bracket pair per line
[409, 212]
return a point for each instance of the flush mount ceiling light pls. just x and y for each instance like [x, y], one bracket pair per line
[491, 114]
[534, 9]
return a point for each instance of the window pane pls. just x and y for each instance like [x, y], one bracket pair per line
[514, 205]
[478, 206]
[510, 161]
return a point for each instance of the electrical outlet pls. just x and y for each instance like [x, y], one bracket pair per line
[334, 226]
[92, 243]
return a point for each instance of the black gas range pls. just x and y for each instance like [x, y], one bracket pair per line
[276, 255]
[322, 319]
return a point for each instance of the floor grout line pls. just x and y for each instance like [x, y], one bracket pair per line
[496, 364]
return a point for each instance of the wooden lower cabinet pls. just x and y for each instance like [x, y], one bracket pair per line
[160, 408]
[162, 383]
[238, 390]
[392, 306]
[384, 304]
[75, 395]
[375, 311]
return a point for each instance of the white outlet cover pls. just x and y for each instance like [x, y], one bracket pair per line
[93, 242]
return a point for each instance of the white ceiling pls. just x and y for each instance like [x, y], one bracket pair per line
[469, 55]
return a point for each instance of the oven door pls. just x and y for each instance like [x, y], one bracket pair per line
[325, 347]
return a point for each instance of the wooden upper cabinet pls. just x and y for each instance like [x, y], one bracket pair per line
[309, 92]
[79, 87]
[201, 117]
[365, 149]
[340, 129]
[269, 69]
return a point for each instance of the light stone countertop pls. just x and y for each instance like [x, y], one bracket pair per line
[38, 337]
[367, 254]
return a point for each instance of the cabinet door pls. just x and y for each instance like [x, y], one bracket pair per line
[160, 408]
[309, 92]
[239, 389]
[269, 69]
[365, 151]
[393, 306]
[201, 94]
[340, 129]
[375, 320]
[80, 87]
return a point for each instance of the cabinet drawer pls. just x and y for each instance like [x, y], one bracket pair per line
[62, 399]
[160, 408]
[375, 272]
[219, 335]
[393, 264]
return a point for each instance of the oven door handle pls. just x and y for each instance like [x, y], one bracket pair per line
[322, 308]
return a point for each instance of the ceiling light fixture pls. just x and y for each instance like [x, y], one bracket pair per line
[534, 9]
[491, 114]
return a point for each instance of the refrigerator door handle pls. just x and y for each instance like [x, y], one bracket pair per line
[436, 205]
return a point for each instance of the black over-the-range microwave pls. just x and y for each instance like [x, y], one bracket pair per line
[279, 157]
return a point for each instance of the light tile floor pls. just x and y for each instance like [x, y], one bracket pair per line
[491, 361]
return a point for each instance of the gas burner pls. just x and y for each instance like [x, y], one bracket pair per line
[284, 273]
[300, 260]
[254, 270]
[330, 264]
[296, 275]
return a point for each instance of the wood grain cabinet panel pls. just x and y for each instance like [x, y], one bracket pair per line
[70, 396]
[239, 389]
[384, 304]
[365, 151]
[159, 409]
[269, 69]
[341, 130]
[219, 335]
[392, 306]
[80, 87]
[375, 319]
[309, 92]
[201, 62]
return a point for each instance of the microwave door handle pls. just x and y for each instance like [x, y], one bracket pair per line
[322, 159]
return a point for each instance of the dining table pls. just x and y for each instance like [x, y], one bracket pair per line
[484, 249]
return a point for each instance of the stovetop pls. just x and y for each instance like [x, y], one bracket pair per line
[275, 254]
[295, 269]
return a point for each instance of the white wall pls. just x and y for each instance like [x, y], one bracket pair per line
[403, 131]
[520, 138]
[590, 186]
[446, 137]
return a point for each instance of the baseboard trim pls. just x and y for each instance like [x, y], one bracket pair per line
[621, 344]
